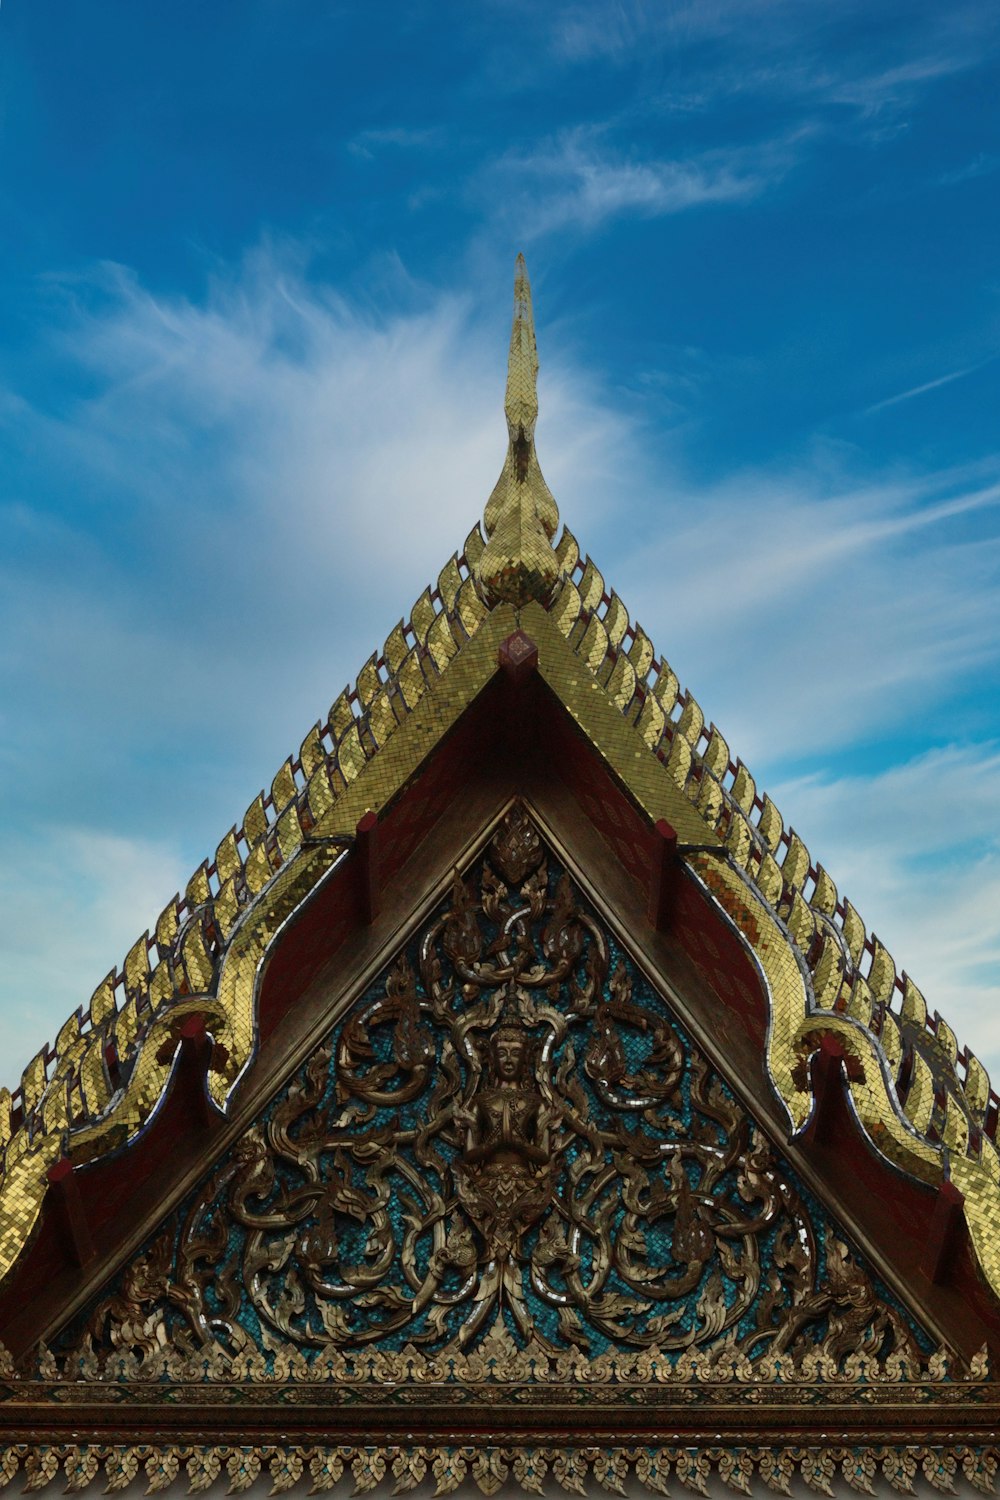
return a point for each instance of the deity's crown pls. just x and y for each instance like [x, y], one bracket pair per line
[510, 1025]
[510, 1031]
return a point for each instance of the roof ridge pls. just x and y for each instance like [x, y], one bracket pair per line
[647, 691]
[65, 1082]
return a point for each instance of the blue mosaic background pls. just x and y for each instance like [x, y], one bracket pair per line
[331, 1130]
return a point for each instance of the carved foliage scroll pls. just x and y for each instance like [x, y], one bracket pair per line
[507, 1136]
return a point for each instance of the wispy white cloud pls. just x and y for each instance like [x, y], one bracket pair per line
[929, 385]
[72, 901]
[818, 75]
[786, 50]
[828, 610]
[368, 143]
[285, 405]
[917, 849]
[203, 553]
[577, 179]
[884, 88]
[983, 164]
[581, 32]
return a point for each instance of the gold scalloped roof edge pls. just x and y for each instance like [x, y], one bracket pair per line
[66, 1103]
[853, 973]
[925, 1105]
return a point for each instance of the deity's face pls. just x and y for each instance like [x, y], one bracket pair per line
[508, 1053]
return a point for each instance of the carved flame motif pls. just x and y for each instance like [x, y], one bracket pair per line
[507, 1135]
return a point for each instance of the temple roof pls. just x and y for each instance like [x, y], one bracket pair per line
[924, 1104]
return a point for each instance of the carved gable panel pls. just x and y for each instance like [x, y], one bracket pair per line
[507, 1154]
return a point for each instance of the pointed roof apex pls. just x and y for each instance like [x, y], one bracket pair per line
[521, 401]
[519, 562]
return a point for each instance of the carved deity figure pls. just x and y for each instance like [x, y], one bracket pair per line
[504, 1178]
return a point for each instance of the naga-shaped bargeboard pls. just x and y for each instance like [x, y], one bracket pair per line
[508, 1133]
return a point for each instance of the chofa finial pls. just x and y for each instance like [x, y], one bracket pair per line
[519, 562]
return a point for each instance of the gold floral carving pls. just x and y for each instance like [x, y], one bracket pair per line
[506, 1158]
[825, 1469]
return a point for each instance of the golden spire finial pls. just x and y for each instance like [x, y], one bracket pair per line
[519, 562]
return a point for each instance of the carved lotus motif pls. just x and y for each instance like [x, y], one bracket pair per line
[503, 1199]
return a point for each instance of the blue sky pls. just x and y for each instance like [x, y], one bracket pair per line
[255, 291]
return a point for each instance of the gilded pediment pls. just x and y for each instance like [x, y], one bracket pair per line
[508, 1189]
[506, 1161]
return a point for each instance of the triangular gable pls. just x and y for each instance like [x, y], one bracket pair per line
[507, 1204]
[508, 1141]
[837, 1025]
[505, 1175]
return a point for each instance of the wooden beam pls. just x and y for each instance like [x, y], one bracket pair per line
[65, 1204]
[946, 1233]
[366, 852]
[664, 874]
